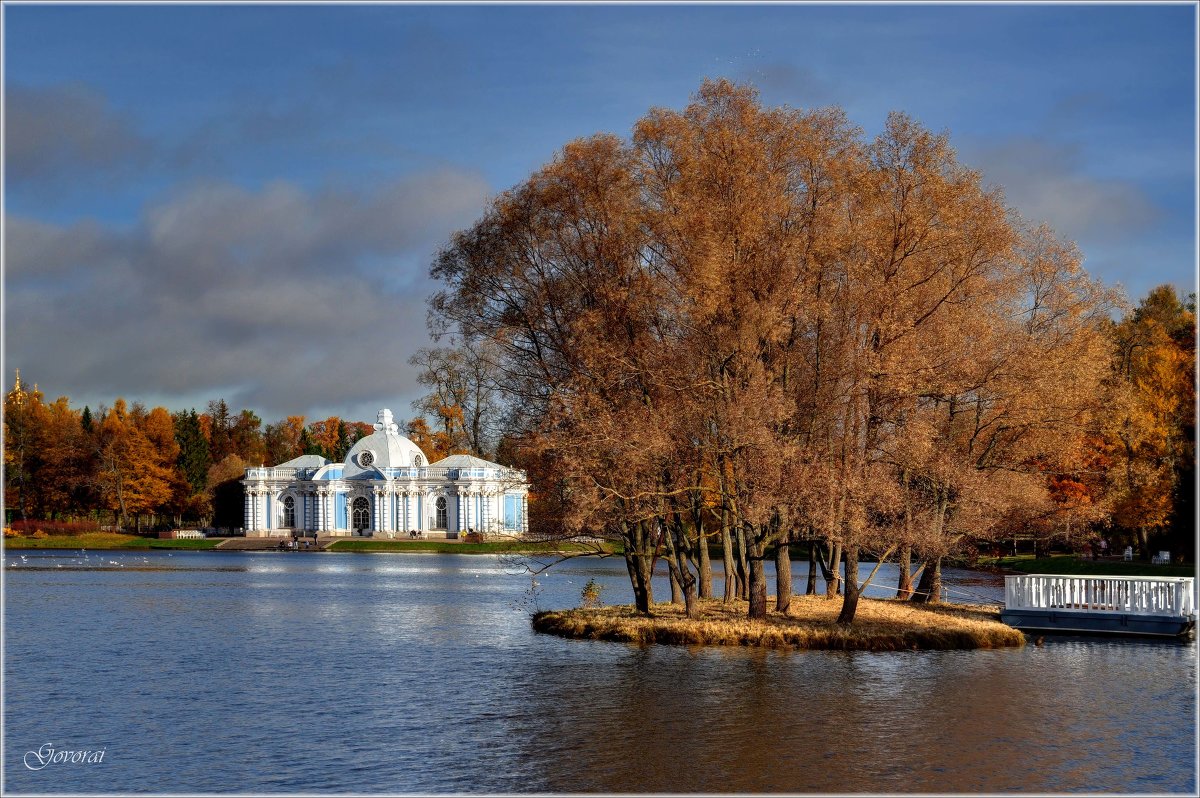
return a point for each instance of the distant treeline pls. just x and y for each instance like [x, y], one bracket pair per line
[136, 468]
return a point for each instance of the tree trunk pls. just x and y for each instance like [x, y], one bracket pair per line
[121, 503]
[743, 567]
[706, 590]
[727, 554]
[676, 589]
[811, 588]
[904, 585]
[833, 581]
[904, 588]
[640, 564]
[640, 601]
[850, 599]
[757, 575]
[929, 590]
[683, 581]
[703, 560]
[21, 496]
[783, 576]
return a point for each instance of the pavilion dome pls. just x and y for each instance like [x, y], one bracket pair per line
[465, 461]
[384, 448]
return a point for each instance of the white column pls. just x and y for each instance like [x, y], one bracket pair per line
[248, 513]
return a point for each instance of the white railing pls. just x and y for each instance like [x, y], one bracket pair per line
[271, 473]
[412, 472]
[1134, 595]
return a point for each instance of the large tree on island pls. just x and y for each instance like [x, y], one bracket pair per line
[753, 313]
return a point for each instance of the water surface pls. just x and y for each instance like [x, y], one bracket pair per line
[385, 673]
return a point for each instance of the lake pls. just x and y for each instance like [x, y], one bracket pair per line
[418, 673]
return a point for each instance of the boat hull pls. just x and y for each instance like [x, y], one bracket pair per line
[1090, 622]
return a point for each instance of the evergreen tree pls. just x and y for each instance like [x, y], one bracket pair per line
[194, 457]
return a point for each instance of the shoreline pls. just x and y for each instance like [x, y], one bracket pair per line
[114, 541]
[810, 624]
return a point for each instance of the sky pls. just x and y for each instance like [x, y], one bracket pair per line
[244, 201]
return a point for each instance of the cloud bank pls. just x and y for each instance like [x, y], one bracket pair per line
[291, 299]
[65, 129]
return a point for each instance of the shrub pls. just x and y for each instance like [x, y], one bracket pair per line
[591, 594]
[55, 528]
[9, 532]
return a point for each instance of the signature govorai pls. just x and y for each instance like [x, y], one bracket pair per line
[49, 755]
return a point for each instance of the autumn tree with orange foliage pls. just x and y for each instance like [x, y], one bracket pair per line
[135, 464]
[749, 320]
[1150, 425]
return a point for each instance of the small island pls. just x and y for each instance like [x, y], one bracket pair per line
[810, 623]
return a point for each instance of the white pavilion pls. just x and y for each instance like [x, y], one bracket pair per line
[385, 488]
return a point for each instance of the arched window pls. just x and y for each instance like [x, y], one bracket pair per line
[441, 513]
[418, 461]
[289, 511]
[360, 514]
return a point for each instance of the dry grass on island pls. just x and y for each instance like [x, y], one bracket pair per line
[809, 624]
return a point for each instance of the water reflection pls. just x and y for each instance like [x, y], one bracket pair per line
[396, 674]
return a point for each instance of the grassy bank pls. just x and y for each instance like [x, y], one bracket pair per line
[451, 547]
[810, 624]
[105, 540]
[1067, 564]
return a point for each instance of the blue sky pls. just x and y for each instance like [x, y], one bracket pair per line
[241, 201]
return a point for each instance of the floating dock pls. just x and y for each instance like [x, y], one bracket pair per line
[1135, 605]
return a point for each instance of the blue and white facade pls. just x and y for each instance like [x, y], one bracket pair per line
[386, 488]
